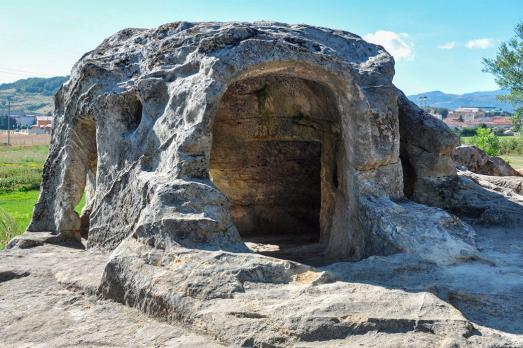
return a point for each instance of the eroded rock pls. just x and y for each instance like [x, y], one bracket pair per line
[196, 141]
[477, 161]
[213, 134]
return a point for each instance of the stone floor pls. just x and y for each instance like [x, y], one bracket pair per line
[47, 300]
[303, 248]
[488, 292]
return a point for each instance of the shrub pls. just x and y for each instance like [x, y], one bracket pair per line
[486, 140]
[517, 120]
[511, 145]
[468, 132]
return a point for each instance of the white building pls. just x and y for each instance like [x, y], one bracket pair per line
[467, 114]
[25, 121]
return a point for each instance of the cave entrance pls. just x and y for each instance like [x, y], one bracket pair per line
[274, 156]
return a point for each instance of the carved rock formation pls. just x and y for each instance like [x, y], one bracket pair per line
[204, 134]
[199, 144]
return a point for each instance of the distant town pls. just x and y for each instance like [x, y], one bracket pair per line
[20, 122]
[462, 118]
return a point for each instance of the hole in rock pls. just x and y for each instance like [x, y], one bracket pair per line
[134, 115]
[274, 157]
[80, 177]
[84, 206]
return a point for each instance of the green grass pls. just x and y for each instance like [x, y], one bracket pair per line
[514, 155]
[511, 148]
[16, 209]
[466, 140]
[21, 174]
[19, 205]
[80, 205]
[21, 167]
[515, 160]
[8, 227]
[20, 178]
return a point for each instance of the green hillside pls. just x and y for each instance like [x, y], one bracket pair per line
[32, 95]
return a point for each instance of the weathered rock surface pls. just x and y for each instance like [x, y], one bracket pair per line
[476, 199]
[201, 134]
[425, 150]
[508, 186]
[48, 298]
[199, 143]
[477, 161]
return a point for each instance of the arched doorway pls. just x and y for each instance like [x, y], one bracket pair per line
[275, 149]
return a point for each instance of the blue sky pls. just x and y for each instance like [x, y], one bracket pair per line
[438, 45]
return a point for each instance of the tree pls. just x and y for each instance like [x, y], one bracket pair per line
[486, 140]
[507, 67]
[517, 120]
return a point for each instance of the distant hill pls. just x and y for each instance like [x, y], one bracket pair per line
[452, 101]
[30, 96]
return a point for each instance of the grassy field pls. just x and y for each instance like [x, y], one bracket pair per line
[515, 160]
[466, 140]
[20, 178]
[21, 167]
[16, 209]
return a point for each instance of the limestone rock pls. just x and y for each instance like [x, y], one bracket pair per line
[415, 228]
[394, 301]
[426, 148]
[210, 134]
[197, 144]
[509, 186]
[477, 161]
[52, 302]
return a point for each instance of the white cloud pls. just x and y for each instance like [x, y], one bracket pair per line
[479, 44]
[447, 45]
[397, 44]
